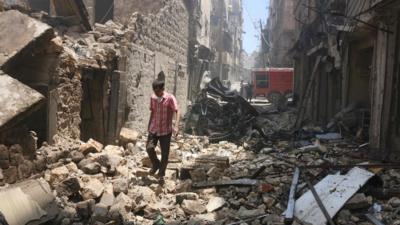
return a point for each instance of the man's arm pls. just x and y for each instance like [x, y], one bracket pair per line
[177, 121]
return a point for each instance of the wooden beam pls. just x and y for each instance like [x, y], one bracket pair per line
[307, 94]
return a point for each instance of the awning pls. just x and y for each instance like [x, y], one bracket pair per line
[16, 100]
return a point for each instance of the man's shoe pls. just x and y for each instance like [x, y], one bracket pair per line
[153, 171]
[161, 181]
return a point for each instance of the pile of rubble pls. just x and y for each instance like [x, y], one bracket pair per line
[220, 183]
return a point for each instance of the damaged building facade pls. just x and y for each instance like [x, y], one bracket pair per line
[226, 39]
[279, 34]
[346, 68]
[87, 78]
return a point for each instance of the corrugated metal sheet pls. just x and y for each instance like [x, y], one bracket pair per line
[334, 191]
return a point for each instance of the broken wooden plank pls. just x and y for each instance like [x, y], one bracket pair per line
[289, 214]
[258, 172]
[220, 183]
[307, 93]
[373, 219]
[334, 191]
[219, 161]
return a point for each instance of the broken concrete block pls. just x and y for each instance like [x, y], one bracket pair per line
[215, 203]
[16, 158]
[246, 213]
[394, 202]
[121, 185]
[77, 156]
[25, 169]
[58, 174]
[91, 146]
[193, 207]
[122, 206]
[108, 197]
[17, 36]
[10, 175]
[198, 175]
[100, 212]
[128, 136]
[185, 196]
[106, 39]
[85, 208]
[359, 201]
[4, 157]
[91, 168]
[144, 193]
[68, 187]
[92, 189]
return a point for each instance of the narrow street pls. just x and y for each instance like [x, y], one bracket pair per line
[200, 112]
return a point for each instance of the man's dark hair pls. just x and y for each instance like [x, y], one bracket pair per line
[157, 84]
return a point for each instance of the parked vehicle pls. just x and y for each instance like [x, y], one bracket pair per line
[273, 83]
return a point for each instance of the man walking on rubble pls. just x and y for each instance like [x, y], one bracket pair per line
[164, 108]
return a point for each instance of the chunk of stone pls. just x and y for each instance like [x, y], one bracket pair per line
[108, 197]
[122, 206]
[193, 207]
[128, 136]
[139, 193]
[121, 185]
[394, 202]
[26, 169]
[185, 196]
[198, 174]
[92, 189]
[100, 212]
[248, 213]
[4, 157]
[106, 39]
[91, 168]
[59, 174]
[16, 158]
[215, 203]
[184, 186]
[359, 201]
[10, 175]
[85, 208]
[91, 146]
[77, 156]
[68, 187]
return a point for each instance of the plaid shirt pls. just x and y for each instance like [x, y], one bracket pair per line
[162, 113]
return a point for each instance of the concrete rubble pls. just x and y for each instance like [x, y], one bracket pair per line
[243, 179]
[112, 183]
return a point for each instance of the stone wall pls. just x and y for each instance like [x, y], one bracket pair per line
[160, 43]
[68, 97]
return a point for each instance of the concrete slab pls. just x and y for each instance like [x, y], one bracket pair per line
[15, 98]
[18, 31]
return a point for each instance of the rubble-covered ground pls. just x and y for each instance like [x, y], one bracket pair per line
[96, 184]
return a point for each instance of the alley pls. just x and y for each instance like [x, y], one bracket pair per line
[199, 112]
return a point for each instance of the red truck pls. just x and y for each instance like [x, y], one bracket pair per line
[272, 83]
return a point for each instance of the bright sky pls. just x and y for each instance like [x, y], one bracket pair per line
[253, 11]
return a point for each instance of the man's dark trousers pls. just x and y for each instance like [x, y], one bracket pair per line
[165, 142]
